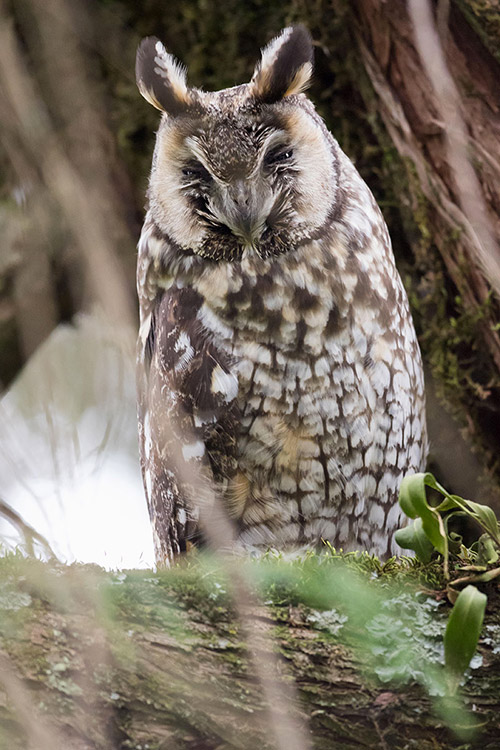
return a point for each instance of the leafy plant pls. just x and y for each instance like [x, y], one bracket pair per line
[430, 532]
[429, 535]
[462, 634]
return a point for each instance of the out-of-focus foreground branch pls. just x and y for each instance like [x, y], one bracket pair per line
[69, 217]
[80, 206]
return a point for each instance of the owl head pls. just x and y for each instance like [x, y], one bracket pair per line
[249, 169]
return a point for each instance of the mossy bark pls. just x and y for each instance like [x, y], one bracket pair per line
[107, 661]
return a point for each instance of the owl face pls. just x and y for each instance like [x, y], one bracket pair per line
[243, 170]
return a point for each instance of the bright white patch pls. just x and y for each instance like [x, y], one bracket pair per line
[270, 386]
[183, 344]
[394, 516]
[313, 341]
[75, 477]
[391, 456]
[334, 348]
[329, 408]
[376, 514]
[322, 367]
[193, 450]
[369, 394]
[181, 516]
[374, 455]
[224, 383]
[168, 67]
[270, 52]
[416, 456]
[156, 247]
[305, 405]
[274, 301]
[401, 382]
[401, 460]
[212, 321]
[201, 422]
[351, 403]
[360, 506]
[144, 333]
[245, 369]
[381, 378]
[287, 483]
[387, 484]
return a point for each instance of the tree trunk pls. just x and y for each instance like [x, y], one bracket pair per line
[454, 304]
[138, 660]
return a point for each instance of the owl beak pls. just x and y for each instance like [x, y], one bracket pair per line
[247, 211]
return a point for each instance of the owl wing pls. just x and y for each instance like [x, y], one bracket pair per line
[188, 416]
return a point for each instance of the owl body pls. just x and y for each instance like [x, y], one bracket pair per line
[277, 356]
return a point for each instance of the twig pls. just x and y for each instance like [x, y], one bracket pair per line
[29, 533]
[279, 697]
[80, 207]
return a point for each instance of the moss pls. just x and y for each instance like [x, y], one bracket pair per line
[192, 675]
[484, 17]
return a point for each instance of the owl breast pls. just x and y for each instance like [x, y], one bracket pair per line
[330, 391]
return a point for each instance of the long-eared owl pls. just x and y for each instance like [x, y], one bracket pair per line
[277, 357]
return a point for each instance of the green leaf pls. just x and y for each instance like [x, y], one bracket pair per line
[486, 517]
[413, 501]
[490, 575]
[487, 553]
[482, 513]
[462, 633]
[414, 537]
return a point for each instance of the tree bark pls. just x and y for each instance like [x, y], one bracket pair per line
[112, 661]
[457, 334]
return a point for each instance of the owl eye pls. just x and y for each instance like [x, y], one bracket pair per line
[196, 171]
[278, 157]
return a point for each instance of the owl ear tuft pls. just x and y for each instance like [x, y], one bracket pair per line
[285, 66]
[160, 78]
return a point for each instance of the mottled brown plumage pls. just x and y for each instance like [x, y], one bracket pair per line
[277, 357]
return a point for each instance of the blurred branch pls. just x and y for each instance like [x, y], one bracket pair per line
[29, 534]
[80, 205]
[279, 697]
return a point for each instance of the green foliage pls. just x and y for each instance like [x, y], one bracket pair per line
[430, 534]
[462, 633]
[430, 530]
[371, 613]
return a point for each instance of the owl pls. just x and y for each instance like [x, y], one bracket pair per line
[277, 358]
